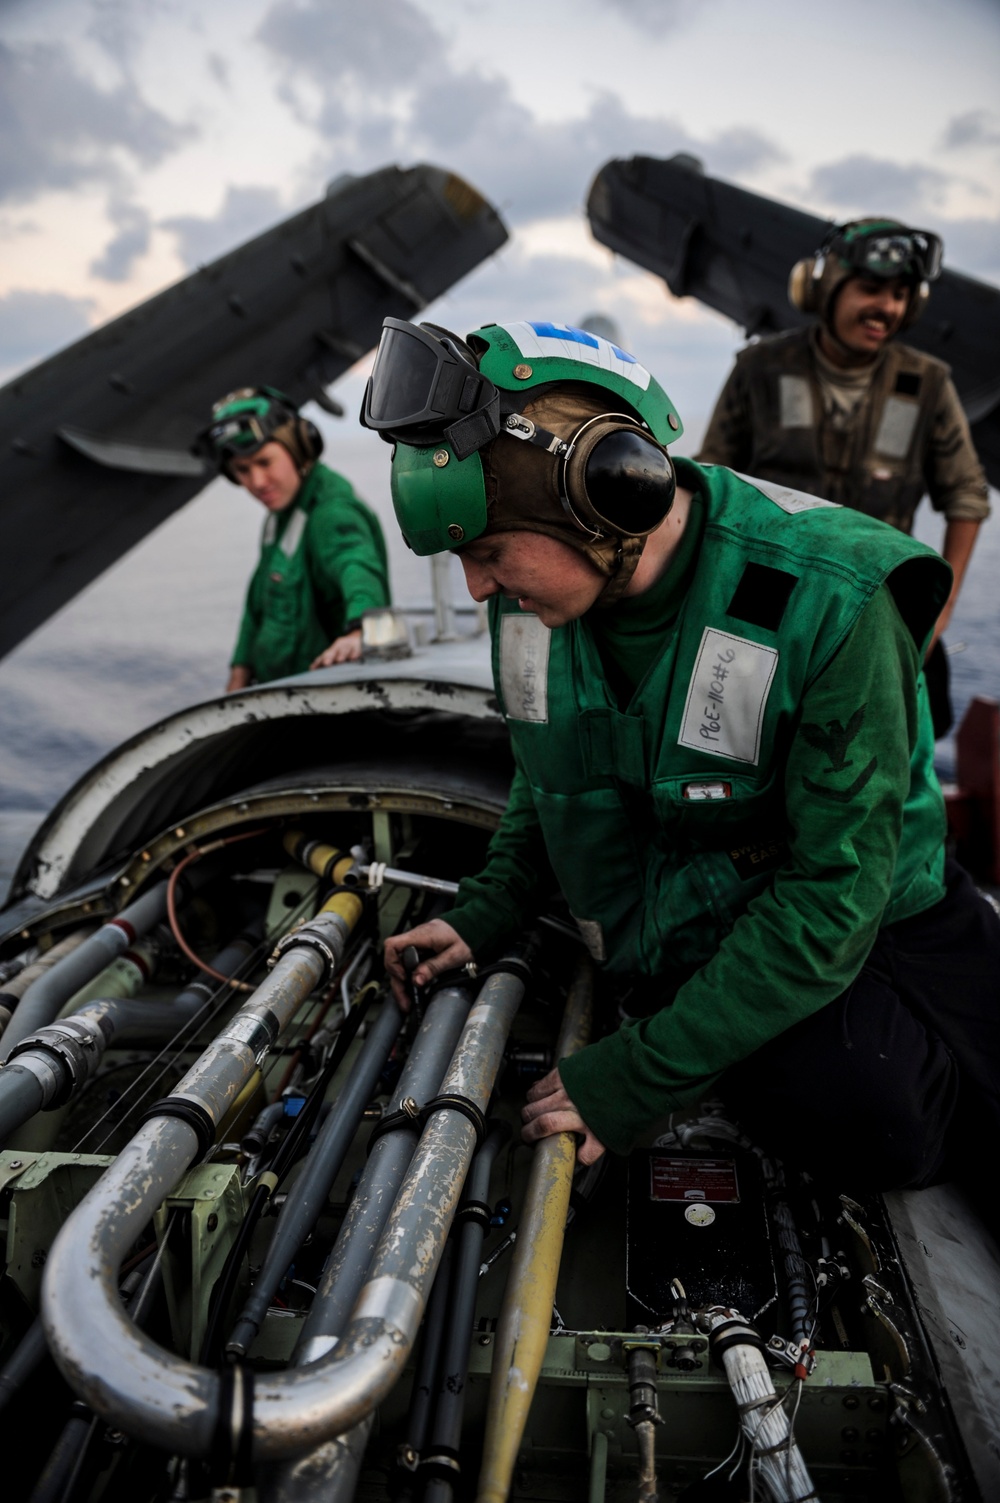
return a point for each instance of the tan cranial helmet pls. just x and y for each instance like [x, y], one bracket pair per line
[523, 491]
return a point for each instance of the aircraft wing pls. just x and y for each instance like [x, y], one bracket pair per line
[733, 250]
[98, 436]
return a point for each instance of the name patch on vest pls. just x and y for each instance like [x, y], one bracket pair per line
[724, 709]
[782, 495]
[795, 401]
[524, 667]
[896, 427]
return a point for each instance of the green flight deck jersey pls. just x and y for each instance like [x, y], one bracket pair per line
[322, 564]
[740, 820]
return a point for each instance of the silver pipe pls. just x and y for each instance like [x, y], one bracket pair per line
[113, 1366]
[45, 996]
[328, 1473]
[51, 1066]
[302, 1206]
[169, 1402]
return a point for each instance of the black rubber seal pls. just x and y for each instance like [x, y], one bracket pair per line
[477, 1211]
[734, 1333]
[462, 1104]
[190, 1112]
[392, 1123]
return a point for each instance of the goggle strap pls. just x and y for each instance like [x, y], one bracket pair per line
[468, 434]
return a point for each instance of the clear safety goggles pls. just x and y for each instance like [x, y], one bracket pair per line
[425, 389]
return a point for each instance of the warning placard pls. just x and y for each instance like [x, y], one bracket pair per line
[693, 1179]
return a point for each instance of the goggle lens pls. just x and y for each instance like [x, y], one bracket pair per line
[402, 379]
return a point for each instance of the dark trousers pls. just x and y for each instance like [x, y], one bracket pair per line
[896, 1083]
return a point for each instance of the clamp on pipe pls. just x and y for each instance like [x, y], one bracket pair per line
[63, 1056]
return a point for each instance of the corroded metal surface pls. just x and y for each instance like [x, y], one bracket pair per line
[523, 1329]
[166, 1401]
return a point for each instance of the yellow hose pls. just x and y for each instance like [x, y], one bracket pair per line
[526, 1315]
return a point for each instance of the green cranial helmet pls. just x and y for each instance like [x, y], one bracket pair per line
[247, 419]
[881, 249]
[441, 400]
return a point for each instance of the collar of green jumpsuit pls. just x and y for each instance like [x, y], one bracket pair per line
[302, 500]
[630, 634]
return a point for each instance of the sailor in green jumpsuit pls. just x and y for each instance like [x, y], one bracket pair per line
[723, 755]
[322, 560]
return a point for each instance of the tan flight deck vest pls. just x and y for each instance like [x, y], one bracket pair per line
[877, 464]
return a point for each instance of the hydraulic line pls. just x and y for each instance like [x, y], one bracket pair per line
[14, 989]
[428, 1366]
[288, 1151]
[328, 1472]
[188, 1410]
[439, 1461]
[526, 1314]
[643, 1416]
[52, 1065]
[81, 1310]
[300, 1211]
[45, 996]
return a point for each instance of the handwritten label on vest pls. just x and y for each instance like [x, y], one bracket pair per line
[724, 710]
[524, 667]
[789, 500]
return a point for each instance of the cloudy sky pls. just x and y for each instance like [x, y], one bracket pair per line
[143, 137]
[140, 138]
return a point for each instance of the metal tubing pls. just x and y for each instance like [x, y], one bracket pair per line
[327, 1474]
[21, 1096]
[18, 984]
[133, 1380]
[168, 1402]
[308, 1195]
[46, 995]
[99, 1024]
[526, 1314]
[446, 1424]
[349, 1262]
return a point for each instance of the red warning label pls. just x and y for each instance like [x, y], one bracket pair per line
[693, 1179]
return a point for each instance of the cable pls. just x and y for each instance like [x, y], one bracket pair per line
[195, 855]
[268, 1183]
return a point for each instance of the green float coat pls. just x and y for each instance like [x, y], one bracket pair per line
[757, 905]
[322, 563]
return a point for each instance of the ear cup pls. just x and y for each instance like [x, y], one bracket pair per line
[803, 286]
[310, 438]
[618, 478]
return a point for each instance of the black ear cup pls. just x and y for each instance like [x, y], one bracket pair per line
[617, 477]
[630, 482]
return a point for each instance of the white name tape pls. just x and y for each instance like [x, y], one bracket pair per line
[724, 709]
[524, 667]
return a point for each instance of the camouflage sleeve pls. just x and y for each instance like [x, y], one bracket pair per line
[729, 437]
[955, 479]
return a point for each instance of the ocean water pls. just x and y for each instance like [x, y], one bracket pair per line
[154, 634]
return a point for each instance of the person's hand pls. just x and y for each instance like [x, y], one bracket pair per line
[239, 678]
[449, 952]
[549, 1110]
[346, 649]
